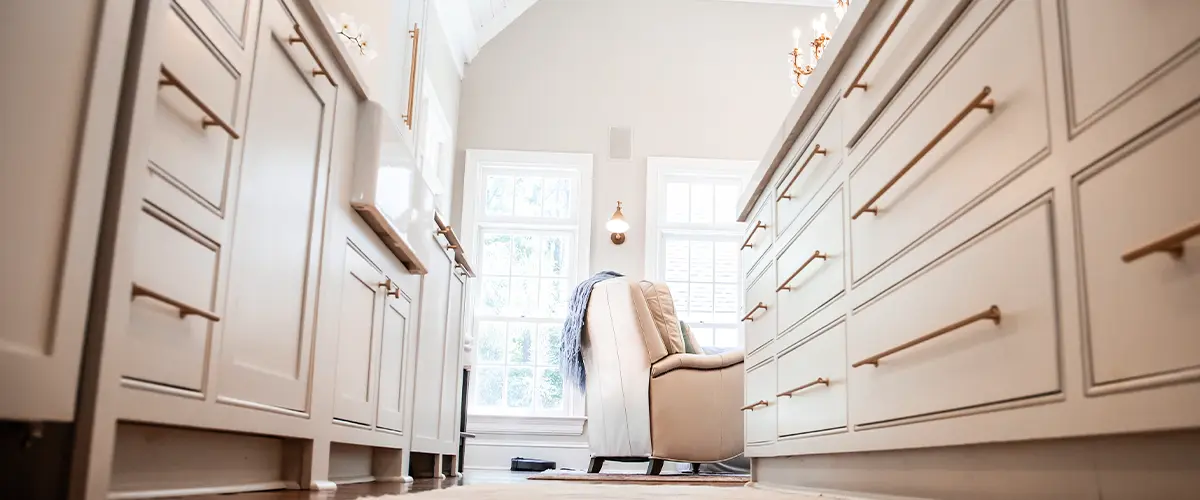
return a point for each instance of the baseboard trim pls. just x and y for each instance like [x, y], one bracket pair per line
[207, 490]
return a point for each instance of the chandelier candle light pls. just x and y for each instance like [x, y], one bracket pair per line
[800, 68]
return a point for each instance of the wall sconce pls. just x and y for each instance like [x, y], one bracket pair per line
[617, 226]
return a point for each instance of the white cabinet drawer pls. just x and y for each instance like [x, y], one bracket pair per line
[811, 268]
[759, 236]
[166, 343]
[812, 384]
[232, 14]
[895, 42]
[760, 403]
[192, 133]
[759, 312]
[973, 363]
[1143, 309]
[952, 146]
[814, 166]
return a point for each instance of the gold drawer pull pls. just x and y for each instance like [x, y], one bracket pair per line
[788, 393]
[815, 255]
[816, 151]
[388, 286]
[211, 117]
[753, 310]
[757, 225]
[415, 34]
[1171, 244]
[755, 405]
[992, 313]
[184, 309]
[979, 102]
[858, 83]
[299, 37]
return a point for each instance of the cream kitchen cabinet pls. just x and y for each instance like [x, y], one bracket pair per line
[359, 333]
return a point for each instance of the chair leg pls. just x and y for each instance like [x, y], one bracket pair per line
[695, 468]
[595, 465]
[655, 467]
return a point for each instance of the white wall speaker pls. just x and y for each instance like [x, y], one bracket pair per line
[620, 143]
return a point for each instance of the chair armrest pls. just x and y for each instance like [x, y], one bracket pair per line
[696, 362]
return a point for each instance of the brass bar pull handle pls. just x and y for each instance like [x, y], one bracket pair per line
[980, 101]
[992, 313]
[452, 247]
[415, 34]
[858, 83]
[815, 255]
[757, 225]
[788, 393]
[211, 117]
[755, 405]
[753, 310]
[817, 150]
[388, 286]
[299, 37]
[184, 309]
[446, 230]
[1171, 244]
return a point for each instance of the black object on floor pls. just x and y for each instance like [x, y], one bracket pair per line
[531, 465]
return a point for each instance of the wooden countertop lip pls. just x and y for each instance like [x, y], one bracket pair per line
[460, 256]
[820, 83]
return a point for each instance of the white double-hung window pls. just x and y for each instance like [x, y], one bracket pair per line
[527, 216]
[692, 239]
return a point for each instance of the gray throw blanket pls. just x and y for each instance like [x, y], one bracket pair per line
[571, 348]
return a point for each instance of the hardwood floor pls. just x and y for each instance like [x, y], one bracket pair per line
[369, 490]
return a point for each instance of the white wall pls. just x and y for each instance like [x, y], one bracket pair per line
[693, 78]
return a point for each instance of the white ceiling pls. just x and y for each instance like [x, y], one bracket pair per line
[806, 3]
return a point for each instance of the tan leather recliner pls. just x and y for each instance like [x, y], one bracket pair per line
[647, 399]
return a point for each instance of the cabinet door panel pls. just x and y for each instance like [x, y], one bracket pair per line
[277, 232]
[392, 363]
[451, 371]
[358, 337]
[431, 352]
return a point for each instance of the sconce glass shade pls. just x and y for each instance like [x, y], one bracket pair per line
[617, 223]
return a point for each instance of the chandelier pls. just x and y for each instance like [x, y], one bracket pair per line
[801, 67]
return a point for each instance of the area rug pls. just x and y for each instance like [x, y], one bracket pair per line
[579, 491]
[680, 479]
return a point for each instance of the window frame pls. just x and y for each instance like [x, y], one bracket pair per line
[577, 166]
[658, 171]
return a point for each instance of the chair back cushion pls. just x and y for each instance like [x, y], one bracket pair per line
[662, 310]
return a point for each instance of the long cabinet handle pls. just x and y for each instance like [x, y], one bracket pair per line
[415, 34]
[1171, 244]
[817, 150]
[755, 405]
[750, 315]
[299, 37]
[757, 225]
[184, 309]
[211, 117]
[992, 313]
[858, 83]
[815, 255]
[788, 393]
[980, 101]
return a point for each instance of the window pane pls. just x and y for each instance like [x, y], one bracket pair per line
[554, 298]
[556, 201]
[491, 342]
[677, 202]
[726, 203]
[701, 261]
[524, 297]
[520, 343]
[726, 262]
[525, 256]
[550, 389]
[495, 295]
[498, 196]
[529, 197]
[497, 253]
[703, 335]
[489, 385]
[549, 344]
[726, 337]
[675, 260]
[554, 256]
[701, 302]
[520, 387]
[702, 207]
[725, 303]
[679, 292]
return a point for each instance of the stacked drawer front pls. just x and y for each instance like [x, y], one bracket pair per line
[760, 403]
[1140, 219]
[904, 29]
[759, 237]
[903, 368]
[814, 166]
[811, 267]
[980, 122]
[812, 384]
[760, 311]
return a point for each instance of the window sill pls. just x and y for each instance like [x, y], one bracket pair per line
[529, 425]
